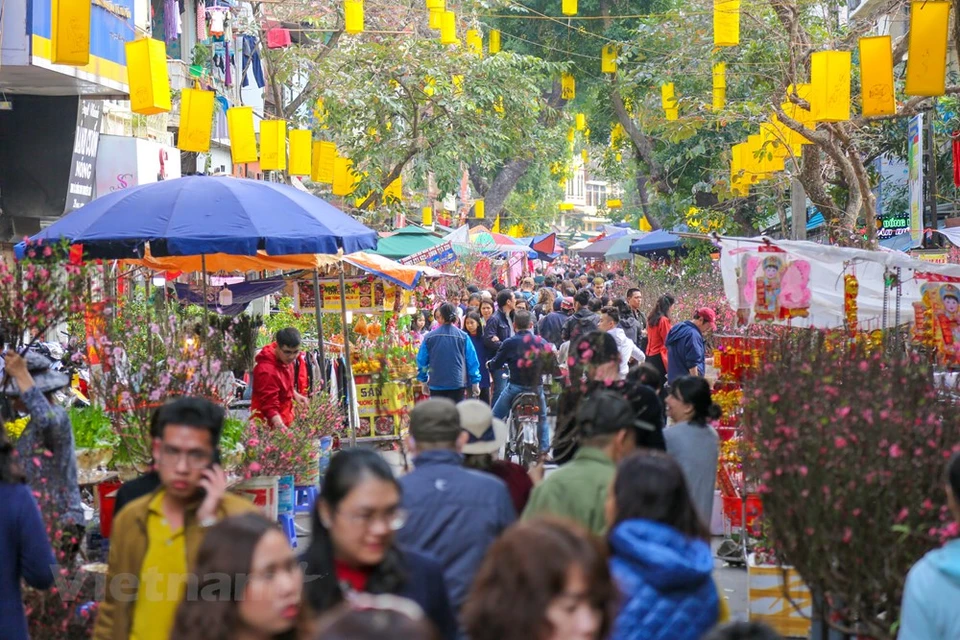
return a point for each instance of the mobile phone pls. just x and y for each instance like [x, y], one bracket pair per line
[201, 492]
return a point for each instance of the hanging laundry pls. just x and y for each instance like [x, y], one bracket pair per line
[201, 21]
[278, 38]
[218, 19]
[251, 60]
[170, 18]
[228, 75]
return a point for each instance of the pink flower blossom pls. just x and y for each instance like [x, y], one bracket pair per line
[896, 451]
[839, 442]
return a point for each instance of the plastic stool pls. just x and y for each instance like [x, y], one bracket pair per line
[303, 498]
[289, 527]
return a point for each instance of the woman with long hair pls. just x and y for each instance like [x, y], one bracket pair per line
[249, 584]
[473, 325]
[353, 549]
[660, 552]
[25, 551]
[691, 440]
[544, 304]
[658, 326]
[543, 579]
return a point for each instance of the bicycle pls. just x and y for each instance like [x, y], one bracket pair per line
[523, 445]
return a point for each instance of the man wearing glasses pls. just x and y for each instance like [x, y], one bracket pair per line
[155, 539]
[274, 391]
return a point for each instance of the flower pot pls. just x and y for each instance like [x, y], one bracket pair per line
[768, 588]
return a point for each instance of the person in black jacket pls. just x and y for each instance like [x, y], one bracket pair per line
[495, 332]
[583, 320]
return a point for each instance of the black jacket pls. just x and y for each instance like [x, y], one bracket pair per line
[499, 325]
[588, 317]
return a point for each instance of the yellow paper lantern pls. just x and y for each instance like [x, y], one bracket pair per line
[566, 206]
[394, 190]
[436, 19]
[719, 85]
[876, 76]
[608, 58]
[726, 23]
[581, 120]
[569, 7]
[353, 16]
[70, 32]
[614, 204]
[474, 42]
[719, 98]
[478, 209]
[448, 28]
[643, 224]
[584, 156]
[324, 158]
[496, 225]
[927, 51]
[668, 100]
[243, 139]
[196, 120]
[273, 145]
[300, 156]
[344, 182]
[568, 86]
[798, 113]
[436, 4]
[427, 213]
[830, 86]
[494, 41]
[147, 76]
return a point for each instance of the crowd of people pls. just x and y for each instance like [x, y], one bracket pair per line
[612, 543]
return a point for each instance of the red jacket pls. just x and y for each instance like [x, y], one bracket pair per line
[272, 386]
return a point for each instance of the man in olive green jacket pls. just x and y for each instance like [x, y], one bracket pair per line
[578, 490]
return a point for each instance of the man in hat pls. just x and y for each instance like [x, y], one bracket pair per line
[685, 346]
[47, 440]
[608, 432]
[454, 514]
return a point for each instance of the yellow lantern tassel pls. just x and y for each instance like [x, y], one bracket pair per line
[324, 159]
[494, 41]
[273, 145]
[581, 121]
[344, 182]
[300, 147]
[568, 86]
[243, 139]
[830, 86]
[353, 16]
[147, 76]
[436, 19]
[876, 76]
[448, 28]
[70, 32]
[726, 23]
[927, 51]
[478, 209]
[569, 7]
[196, 120]
[608, 58]
[427, 213]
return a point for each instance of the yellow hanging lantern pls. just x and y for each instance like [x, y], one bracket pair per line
[584, 156]
[448, 28]
[927, 51]
[571, 134]
[614, 204]
[668, 100]
[436, 4]
[719, 85]
[147, 76]
[196, 120]
[243, 139]
[436, 19]
[876, 76]
[427, 213]
[569, 7]
[70, 33]
[618, 157]
[568, 86]
[344, 182]
[300, 144]
[494, 41]
[566, 206]
[353, 16]
[830, 86]
[801, 115]
[394, 190]
[324, 159]
[474, 42]
[726, 23]
[273, 145]
[608, 58]
[581, 120]
[643, 224]
[496, 225]
[478, 209]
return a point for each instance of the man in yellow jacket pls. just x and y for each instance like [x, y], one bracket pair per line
[155, 539]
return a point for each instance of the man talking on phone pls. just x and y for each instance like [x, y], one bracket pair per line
[155, 539]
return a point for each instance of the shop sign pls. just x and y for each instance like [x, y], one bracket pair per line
[360, 294]
[435, 257]
[380, 407]
[936, 256]
[83, 165]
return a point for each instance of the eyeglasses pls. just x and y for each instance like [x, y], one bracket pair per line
[394, 518]
[196, 458]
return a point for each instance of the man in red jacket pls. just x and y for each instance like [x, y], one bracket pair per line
[273, 386]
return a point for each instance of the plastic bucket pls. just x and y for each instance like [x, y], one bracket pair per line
[262, 491]
[285, 495]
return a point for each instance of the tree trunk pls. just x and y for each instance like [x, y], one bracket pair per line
[642, 144]
[645, 199]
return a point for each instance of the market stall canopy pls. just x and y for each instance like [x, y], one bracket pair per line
[201, 215]
[544, 247]
[600, 248]
[403, 275]
[242, 294]
[657, 242]
[952, 234]
[406, 242]
[620, 249]
[579, 246]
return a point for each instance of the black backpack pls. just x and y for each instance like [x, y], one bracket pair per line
[581, 327]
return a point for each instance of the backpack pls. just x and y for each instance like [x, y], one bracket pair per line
[581, 327]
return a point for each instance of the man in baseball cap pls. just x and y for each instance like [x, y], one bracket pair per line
[686, 353]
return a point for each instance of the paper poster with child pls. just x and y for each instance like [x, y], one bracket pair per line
[775, 288]
[941, 302]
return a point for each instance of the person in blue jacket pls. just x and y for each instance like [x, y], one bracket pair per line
[686, 354]
[498, 328]
[930, 597]
[447, 360]
[660, 553]
[25, 551]
[473, 325]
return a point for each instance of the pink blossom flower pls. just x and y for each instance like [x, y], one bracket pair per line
[896, 451]
[839, 442]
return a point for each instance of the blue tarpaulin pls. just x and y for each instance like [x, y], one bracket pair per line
[655, 242]
[243, 294]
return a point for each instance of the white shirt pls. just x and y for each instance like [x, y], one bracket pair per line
[627, 350]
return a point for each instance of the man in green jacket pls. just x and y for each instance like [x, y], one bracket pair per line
[578, 490]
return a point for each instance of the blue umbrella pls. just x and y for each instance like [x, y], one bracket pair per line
[200, 215]
[659, 241]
